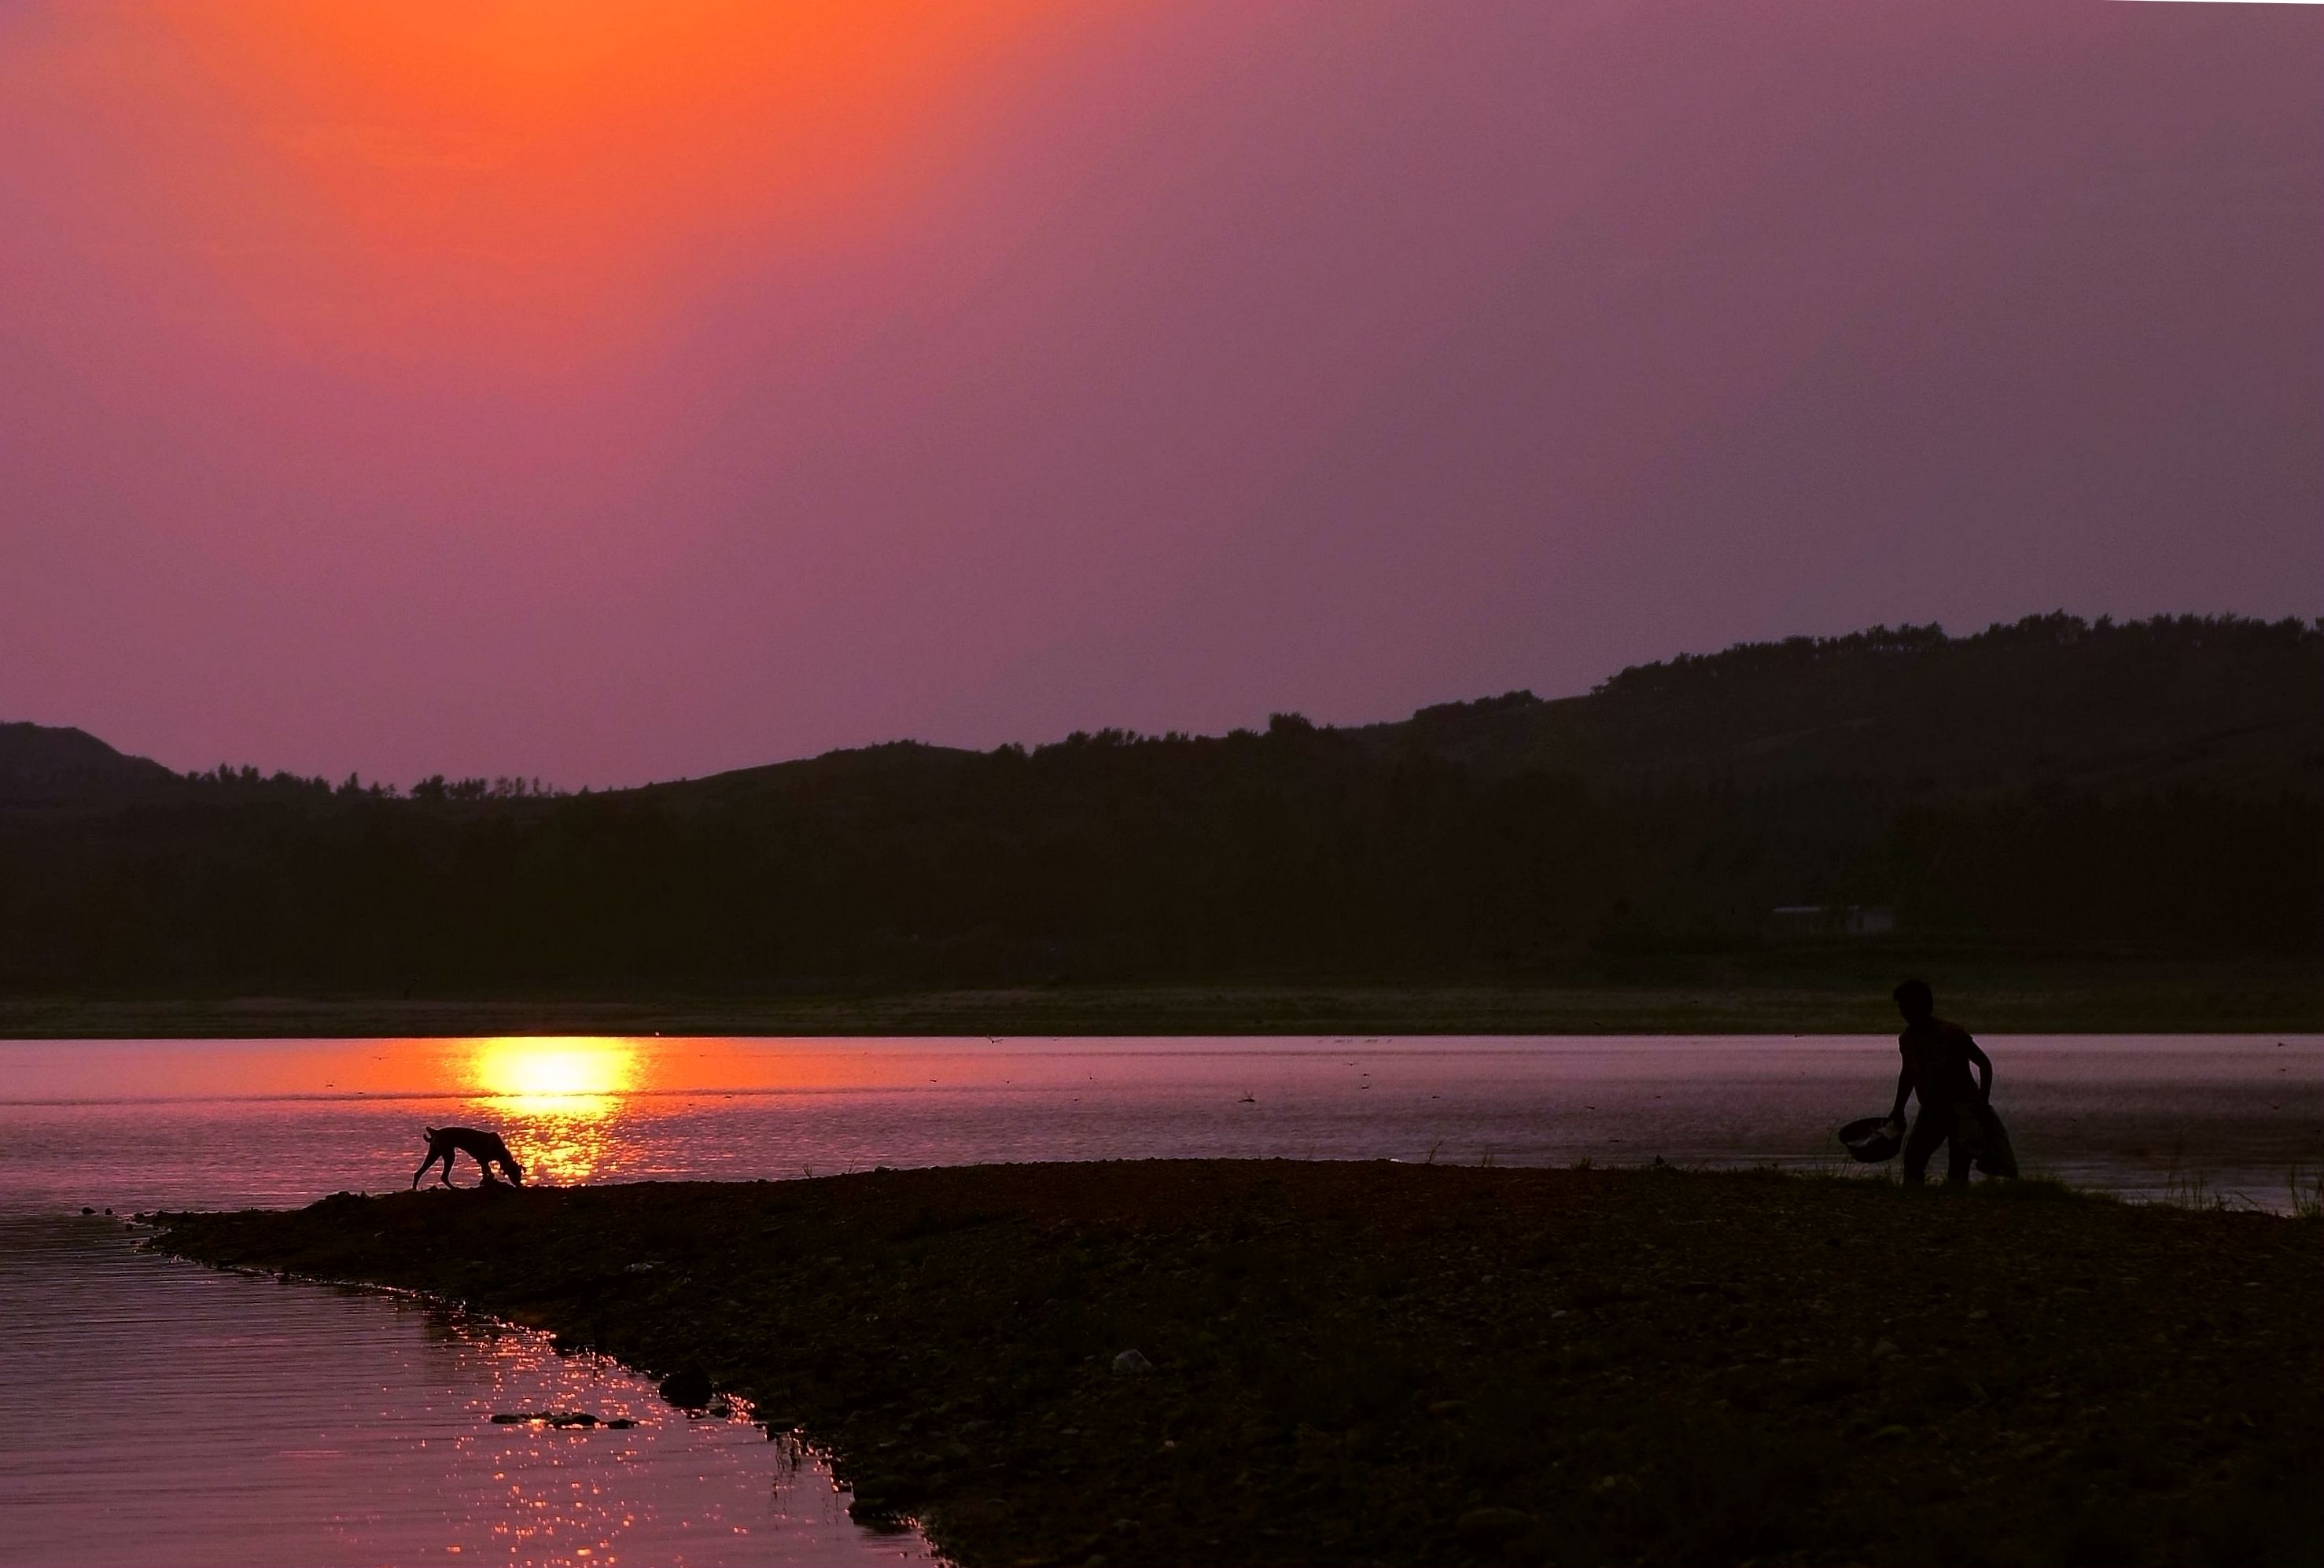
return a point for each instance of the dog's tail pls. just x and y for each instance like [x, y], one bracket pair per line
[430, 1132]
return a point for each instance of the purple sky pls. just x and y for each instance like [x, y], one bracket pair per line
[572, 390]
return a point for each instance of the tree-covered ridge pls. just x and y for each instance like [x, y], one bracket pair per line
[2197, 701]
[2175, 637]
[2149, 790]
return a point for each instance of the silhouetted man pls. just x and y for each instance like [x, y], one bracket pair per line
[1937, 1059]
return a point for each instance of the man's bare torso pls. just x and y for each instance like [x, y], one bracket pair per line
[1938, 1053]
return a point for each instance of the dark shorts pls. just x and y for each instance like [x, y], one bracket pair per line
[1949, 1122]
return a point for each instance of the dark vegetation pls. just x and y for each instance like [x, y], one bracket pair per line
[1820, 991]
[2146, 791]
[1375, 1363]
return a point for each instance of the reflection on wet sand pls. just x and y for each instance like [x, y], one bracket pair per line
[564, 1506]
[559, 1102]
[338, 1428]
[558, 1504]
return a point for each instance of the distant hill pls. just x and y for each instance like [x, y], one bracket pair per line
[2049, 701]
[2217, 702]
[2052, 701]
[2149, 789]
[42, 766]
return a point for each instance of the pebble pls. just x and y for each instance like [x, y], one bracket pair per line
[689, 1389]
[557, 1418]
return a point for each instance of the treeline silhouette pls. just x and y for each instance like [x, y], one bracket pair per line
[2053, 786]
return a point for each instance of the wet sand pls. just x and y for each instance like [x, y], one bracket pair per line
[1373, 1362]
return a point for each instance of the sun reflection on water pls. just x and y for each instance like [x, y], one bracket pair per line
[559, 1099]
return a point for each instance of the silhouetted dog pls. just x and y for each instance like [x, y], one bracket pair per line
[485, 1148]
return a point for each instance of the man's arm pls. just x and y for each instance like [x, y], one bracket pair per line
[1904, 1088]
[1984, 1071]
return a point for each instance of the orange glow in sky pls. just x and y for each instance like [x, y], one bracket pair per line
[518, 179]
[607, 390]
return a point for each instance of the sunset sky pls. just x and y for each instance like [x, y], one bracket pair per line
[610, 391]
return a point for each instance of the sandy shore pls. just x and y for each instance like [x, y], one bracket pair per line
[1398, 1364]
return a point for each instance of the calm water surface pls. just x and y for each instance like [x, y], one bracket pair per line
[183, 1415]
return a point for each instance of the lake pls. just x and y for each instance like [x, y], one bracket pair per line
[184, 1415]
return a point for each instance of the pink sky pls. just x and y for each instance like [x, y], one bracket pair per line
[619, 391]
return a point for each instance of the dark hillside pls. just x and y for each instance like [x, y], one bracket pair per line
[2044, 792]
[41, 766]
[2051, 701]
[908, 765]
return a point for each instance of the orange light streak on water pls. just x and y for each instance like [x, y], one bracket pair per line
[580, 1074]
[557, 1100]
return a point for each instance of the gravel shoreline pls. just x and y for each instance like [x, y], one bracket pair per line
[1399, 1364]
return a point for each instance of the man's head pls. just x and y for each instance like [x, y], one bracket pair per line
[1916, 1001]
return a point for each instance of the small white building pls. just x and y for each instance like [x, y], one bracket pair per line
[1808, 921]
